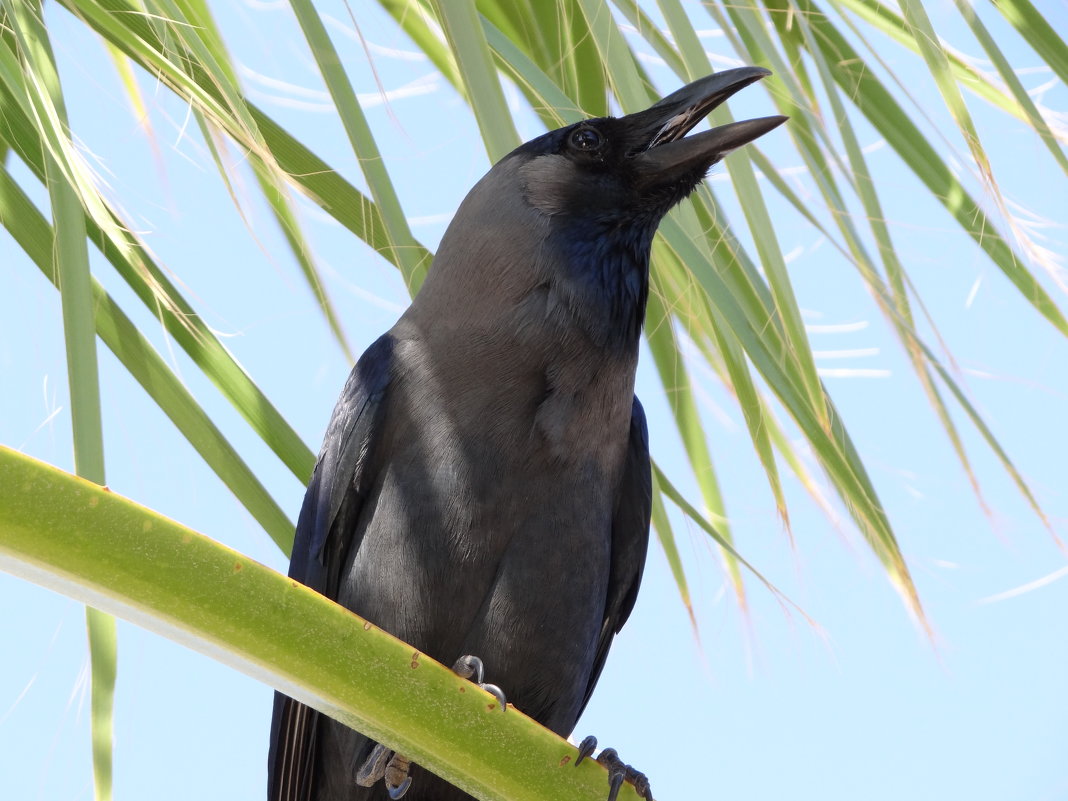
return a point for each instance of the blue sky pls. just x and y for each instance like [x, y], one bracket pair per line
[763, 704]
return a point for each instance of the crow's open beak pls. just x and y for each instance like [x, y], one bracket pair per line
[657, 136]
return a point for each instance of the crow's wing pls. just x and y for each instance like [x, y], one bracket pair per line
[343, 474]
[630, 540]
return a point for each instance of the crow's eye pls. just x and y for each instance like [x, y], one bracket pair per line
[586, 139]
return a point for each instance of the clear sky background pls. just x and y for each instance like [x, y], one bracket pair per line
[762, 705]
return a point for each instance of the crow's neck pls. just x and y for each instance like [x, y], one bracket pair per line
[605, 273]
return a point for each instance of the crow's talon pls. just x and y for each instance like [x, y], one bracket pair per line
[471, 668]
[398, 792]
[641, 786]
[497, 693]
[609, 757]
[374, 767]
[585, 748]
[397, 779]
[388, 765]
[618, 770]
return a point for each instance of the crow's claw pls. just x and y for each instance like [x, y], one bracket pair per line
[497, 693]
[388, 765]
[471, 668]
[618, 770]
[393, 767]
[397, 779]
[398, 792]
[374, 767]
[585, 748]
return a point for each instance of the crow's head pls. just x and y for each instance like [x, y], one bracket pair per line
[634, 169]
[571, 214]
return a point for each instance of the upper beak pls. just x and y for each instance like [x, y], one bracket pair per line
[658, 135]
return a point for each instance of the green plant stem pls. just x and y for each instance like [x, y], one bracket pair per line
[79, 539]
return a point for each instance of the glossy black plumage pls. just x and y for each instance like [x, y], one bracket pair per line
[484, 486]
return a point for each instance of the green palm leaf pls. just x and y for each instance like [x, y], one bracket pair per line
[723, 299]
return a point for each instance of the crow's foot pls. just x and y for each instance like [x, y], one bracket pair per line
[397, 779]
[618, 770]
[471, 668]
[393, 767]
[385, 764]
[374, 767]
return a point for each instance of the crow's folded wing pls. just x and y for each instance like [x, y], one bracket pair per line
[630, 540]
[343, 474]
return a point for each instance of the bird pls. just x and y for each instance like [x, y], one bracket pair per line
[483, 491]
